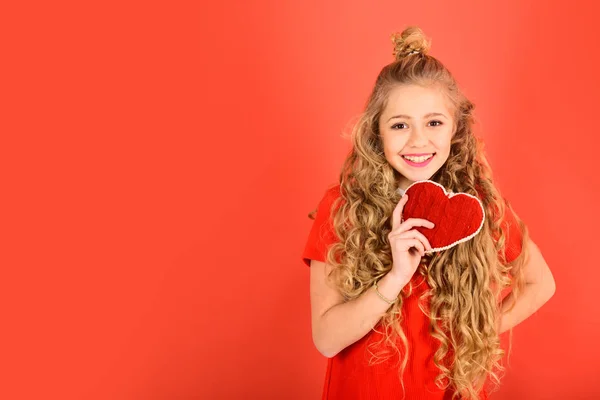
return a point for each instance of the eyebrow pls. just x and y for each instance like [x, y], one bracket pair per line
[433, 114]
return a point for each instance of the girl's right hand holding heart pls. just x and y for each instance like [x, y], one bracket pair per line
[408, 245]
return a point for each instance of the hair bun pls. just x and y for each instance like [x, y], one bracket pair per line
[412, 40]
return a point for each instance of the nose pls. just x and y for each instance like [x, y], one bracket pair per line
[418, 138]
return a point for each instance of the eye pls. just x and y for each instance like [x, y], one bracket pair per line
[439, 122]
[395, 125]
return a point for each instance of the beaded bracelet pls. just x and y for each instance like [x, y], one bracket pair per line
[383, 297]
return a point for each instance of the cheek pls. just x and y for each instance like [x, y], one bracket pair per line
[443, 143]
[394, 142]
[388, 144]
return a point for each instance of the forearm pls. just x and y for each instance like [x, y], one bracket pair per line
[533, 296]
[346, 323]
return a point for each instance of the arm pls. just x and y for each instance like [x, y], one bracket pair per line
[337, 324]
[539, 288]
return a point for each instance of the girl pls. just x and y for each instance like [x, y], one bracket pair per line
[396, 322]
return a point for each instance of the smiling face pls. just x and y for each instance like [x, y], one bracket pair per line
[416, 127]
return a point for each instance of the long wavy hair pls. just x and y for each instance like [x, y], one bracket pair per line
[466, 281]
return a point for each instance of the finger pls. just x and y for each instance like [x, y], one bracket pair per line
[397, 214]
[407, 244]
[414, 234]
[419, 246]
[412, 222]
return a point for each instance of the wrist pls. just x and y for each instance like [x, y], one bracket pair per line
[390, 301]
[398, 278]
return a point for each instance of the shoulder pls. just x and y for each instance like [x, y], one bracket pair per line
[514, 229]
[332, 192]
[322, 233]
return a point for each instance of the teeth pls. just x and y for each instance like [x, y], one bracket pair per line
[418, 159]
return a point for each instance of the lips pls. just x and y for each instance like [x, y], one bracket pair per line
[417, 155]
[419, 164]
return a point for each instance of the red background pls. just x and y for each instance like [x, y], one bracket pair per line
[159, 160]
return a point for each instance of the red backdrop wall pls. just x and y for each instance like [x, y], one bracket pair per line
[159, 160]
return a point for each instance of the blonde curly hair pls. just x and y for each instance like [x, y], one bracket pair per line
[466, 281]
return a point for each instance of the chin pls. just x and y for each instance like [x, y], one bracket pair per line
[425, 174]
[411, 176]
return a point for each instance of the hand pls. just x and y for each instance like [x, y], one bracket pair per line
[408, 245]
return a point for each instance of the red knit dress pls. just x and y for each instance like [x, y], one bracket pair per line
[349, 375]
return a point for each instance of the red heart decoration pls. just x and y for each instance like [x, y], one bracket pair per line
[458, 217]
